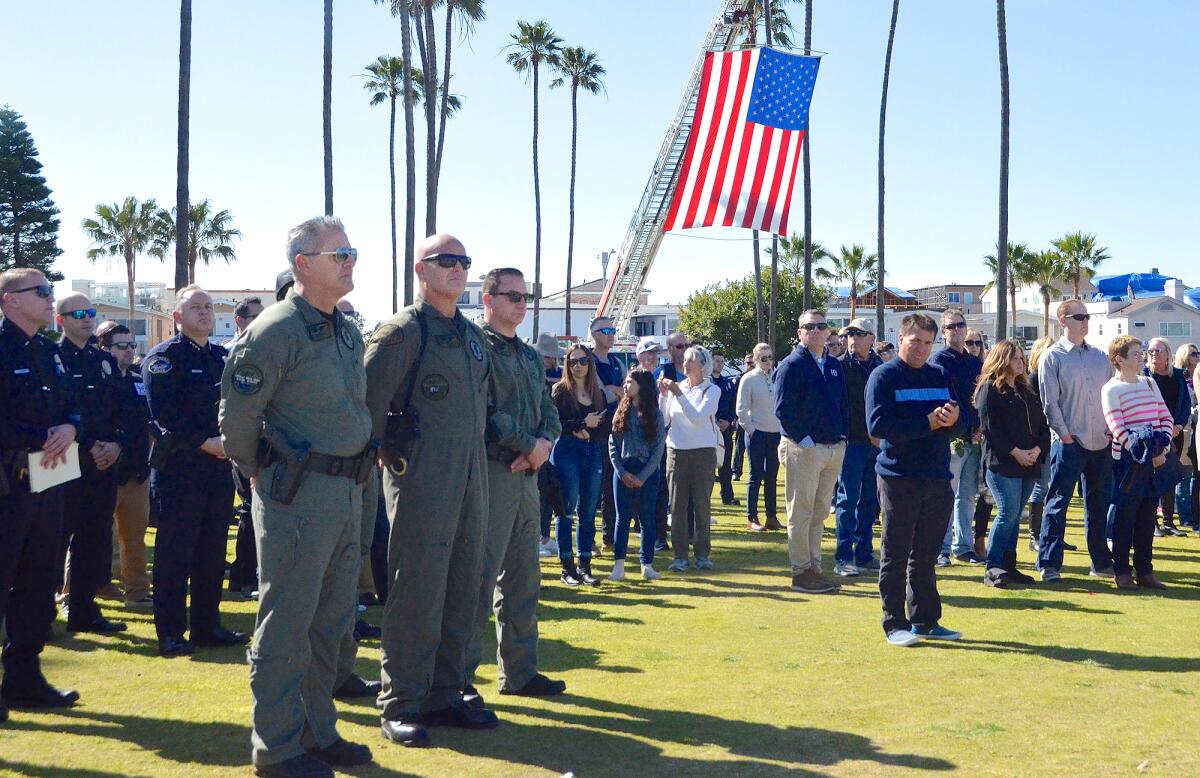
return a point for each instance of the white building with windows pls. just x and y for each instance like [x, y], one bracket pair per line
[1167, 316]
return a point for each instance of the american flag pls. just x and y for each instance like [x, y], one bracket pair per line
[740, 165]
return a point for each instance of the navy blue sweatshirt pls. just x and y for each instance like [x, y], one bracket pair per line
[811, 403]
[964, 368]
[899, 401]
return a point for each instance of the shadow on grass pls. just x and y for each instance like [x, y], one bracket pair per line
[597, 728]
[1010, 602]
[1111, 660]
[24, 768]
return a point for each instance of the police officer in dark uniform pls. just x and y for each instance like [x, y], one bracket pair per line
[243, 572]
[189, 480]
[88, 501]
[38, 413]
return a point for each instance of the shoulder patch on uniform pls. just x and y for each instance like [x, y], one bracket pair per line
[247, 379]
[447, 340]
[388, 335]
[107, 368]
[476, 350]
[158, 365]
[320, 331]
[347, 335]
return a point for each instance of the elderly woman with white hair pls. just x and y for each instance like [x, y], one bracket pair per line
[690, 408]
[1172, 385]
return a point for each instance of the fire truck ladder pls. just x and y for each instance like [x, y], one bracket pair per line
[645, 232]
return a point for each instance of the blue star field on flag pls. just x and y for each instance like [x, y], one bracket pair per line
[783, 88]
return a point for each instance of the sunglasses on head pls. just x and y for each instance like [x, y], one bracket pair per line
[512, 296]
[82, 313]
[122, 344]
[814, 325]
[606, 330]
[448, 261]
[44, 291]
[974, 342]
[958, 325]
[1079, 316]
[341, 255]
[578, 361]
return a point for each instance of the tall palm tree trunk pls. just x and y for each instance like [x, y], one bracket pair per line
[392, 188]
[431, 113]
[444, 108]
[327, 107]
[410, 155]
[880, 275]
[129, 279]
[758, 291]
[571, 204]
[182, 273]
[537, 216]
[808, 255]
[1002, 240]
[854, 299]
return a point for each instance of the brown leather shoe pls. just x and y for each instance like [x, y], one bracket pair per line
[754, 526]
[773, 524]
[1125, 581]
[1150, 581]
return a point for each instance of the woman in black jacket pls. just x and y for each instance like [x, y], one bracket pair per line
[1016, 441]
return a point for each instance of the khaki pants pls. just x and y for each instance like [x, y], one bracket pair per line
[812, 475]
[132, 517]
[690, 476]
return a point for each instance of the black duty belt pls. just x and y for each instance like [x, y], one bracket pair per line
[347, 467]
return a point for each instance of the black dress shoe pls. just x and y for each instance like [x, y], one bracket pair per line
[44, 696]
[303, 766]
[220, 638]
[472, 698]
[538, 686]
[169, 647]
[406, 730]
[99, 625]
[343, 753]
[1069, 547]
[363, 630]
[355, 687]
[461, 716]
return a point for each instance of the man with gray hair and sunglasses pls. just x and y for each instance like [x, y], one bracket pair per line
[294, 419]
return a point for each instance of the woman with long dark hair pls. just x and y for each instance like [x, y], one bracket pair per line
[576, 461]
[635, 449]
[1016, 440]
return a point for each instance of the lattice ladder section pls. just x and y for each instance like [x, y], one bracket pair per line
[633, 261]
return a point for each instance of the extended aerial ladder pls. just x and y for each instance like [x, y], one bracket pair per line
[633, 261]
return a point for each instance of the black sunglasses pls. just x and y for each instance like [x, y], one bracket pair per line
[341, 255]
[448, 261]
[122, 344]
[578, 361]
[82, 313]
[958, 325]
[974, 342]
[855, 333]
[1079, 316]
[810, 326]
[44, 291]
[512, 296]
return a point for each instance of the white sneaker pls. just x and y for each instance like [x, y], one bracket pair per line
[846, 569]
[618, 571]
[902, 638]
[649, 573]
[544, 549]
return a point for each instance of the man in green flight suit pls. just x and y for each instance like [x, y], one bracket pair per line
[427, 388]
[294, 419]
[522, 426]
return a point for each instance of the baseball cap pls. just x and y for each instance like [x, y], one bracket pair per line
[646, 345]
[283, 282]
[865, 325]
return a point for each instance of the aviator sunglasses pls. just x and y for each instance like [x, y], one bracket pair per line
[341, 254]
[448, 261]
[512, 296]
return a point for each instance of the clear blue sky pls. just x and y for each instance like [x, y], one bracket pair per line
[1103, 116]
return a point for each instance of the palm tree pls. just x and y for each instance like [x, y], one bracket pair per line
[467, 12]
[1018, 261]
[124, 230]
[385, 81]
[533, 44]
[327, 107]
[1080, 255]
[887, 72]
[583, 70]
[854, 266]
[792, 252]
[1045, 270]
[808, 257]
[182, 197]
[1002, 240]
[400, 9]
[210, 236]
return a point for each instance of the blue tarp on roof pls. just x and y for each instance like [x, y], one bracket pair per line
[1192, 297]
[844, 291]
[1116, 287]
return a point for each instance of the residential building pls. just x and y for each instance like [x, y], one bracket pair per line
[968, 297]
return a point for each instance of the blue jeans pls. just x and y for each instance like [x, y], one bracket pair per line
[1067, 464]
[764, 472]
[577, 464]
[636, 502]
[1183, 499]
[857, 498]
[965, 484]
[1010, 495]
[1042, 485]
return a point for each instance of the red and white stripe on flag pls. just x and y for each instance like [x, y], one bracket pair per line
[736, 172]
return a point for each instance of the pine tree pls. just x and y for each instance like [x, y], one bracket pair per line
[28, 217]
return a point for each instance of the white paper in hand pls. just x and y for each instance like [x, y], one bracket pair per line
[42, 478]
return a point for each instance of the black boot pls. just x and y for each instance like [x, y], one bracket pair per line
[1035, 523]
[585, 572]
[570, 576]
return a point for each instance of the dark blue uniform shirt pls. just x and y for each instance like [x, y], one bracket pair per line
[183, 386]
[35, 391]
[98, 384]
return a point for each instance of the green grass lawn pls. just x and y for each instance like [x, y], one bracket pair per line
[724, 673]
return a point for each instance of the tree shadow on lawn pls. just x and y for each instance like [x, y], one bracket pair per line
[1111, 660]
[1012, 603]
[604, 732]
[604, 597]
[25, 768]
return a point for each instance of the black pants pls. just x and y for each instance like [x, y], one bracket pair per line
[1168, 498]
[983, 516]
[195, 499]
[608, 499]
[1133, 526]
[739, 450]
[764, 472]
[725, 470]
[30, 535]
[914, 523]
[379, 543]
[88, 504]
[244, 570]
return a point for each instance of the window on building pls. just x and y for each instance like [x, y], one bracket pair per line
[953, 297]
[1100, 329]
[968, 297]
[1175, 329]
[1118, 328]
[1026, 334]
[1139, 324]
[464, 298]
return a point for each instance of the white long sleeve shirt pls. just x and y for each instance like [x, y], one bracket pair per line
[756, 403]
[692, 416]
